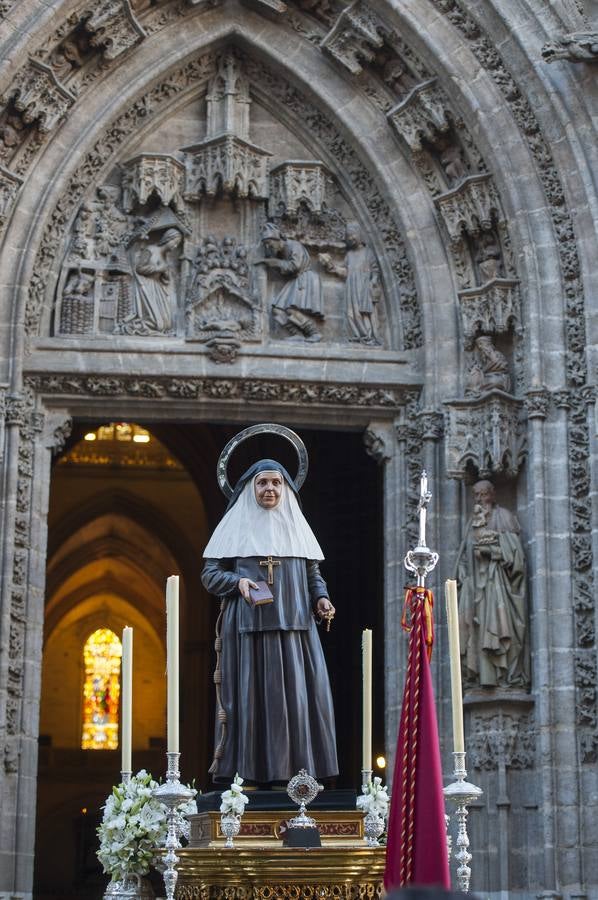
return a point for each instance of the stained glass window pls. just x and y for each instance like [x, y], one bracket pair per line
[101, 690]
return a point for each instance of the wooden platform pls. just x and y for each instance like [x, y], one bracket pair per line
[274, 872]
[265, 827]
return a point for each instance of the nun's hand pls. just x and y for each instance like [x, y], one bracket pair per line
[325, 609]
[244, 585]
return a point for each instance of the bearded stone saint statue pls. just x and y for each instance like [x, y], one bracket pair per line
[274, 704]
[493, 595]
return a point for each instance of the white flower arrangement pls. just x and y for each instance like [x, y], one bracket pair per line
[374, 798]
[234, 800]
[134, 824]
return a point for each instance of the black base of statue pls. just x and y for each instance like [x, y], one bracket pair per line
[301, 837]
[279, 799]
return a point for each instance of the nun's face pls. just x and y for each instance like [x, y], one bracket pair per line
[268, 489]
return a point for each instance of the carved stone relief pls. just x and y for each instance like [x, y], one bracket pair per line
[141, 253]
[489, 369]
[360, 273]
[484, 436]
[10, 185]
[502, 739]
[251, 390]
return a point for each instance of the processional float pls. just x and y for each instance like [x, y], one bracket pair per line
[263, 861]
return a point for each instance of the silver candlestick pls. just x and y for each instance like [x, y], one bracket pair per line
[421, 561]
[125, 777]
[462, 794]
[172, 794]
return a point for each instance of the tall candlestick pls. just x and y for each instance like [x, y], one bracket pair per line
[127, 698]
[452, 616]
[366, 648]
[172, 662]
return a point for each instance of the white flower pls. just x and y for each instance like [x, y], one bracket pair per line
[134, 824]
[234, 800]
[374, 798]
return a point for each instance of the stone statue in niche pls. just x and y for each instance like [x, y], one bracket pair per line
[488, 257]
[493, 596]
[153, 285]
[298, 305]
[490, 369]
[453, 162]
[362, 284]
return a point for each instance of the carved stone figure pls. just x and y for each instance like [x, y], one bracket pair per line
[113, 225]
[452, 161]
[298, 305]
[221, 309]
[69, 56]
[488, 257]
[490, 369]
[580, 46]
[362, 285]
[154, 289]
[84, 232]
[493, 595]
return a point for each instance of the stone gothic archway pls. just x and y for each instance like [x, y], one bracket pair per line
[145, 145]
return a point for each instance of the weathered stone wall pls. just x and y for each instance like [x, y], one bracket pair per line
[461, 139]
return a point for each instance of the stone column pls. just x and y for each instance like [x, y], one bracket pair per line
[24, 523]
[381, 443]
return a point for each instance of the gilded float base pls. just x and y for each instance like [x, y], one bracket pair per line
[276, 872]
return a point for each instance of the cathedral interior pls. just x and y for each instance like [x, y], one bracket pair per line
[371, 221]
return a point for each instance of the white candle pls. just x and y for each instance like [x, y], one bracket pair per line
[366, 648]
[127, 698]
[172, 662]
[452, 616]
[423, 490]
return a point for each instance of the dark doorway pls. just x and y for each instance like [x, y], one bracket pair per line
[154, 514]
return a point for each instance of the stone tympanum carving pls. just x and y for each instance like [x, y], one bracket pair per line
[362, 284]
[489, 371]
[298, 304]
[493, 595]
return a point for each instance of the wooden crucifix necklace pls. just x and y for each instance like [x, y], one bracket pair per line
[270, 562]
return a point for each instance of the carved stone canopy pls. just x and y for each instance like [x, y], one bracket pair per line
[355, 36]
[421, 115]
[492, 308]
[485, 436]
[473, 206]
[294, 182]
[148, 175]
[227, 165]
[39, 96]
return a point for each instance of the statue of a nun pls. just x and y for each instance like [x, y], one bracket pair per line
[274, 705]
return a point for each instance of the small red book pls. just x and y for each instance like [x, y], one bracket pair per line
[261, 594]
